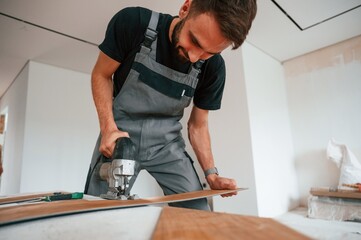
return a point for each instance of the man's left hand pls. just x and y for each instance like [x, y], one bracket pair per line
[216, 182]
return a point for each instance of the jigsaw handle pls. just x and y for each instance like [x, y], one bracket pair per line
[124, 149]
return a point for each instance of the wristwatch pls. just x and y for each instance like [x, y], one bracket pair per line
[211, 171]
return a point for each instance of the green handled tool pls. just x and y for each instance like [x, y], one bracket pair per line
[63, 196]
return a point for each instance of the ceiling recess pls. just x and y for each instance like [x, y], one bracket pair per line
[304, 17]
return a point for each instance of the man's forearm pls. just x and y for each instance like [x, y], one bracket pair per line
[199, 137]
[102, 90]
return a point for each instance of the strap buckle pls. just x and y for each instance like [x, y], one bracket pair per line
[197, 65]
[150, 37]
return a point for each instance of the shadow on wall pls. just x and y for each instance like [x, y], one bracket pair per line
[315, 170]
[293, 203]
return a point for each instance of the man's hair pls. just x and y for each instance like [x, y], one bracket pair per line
[233, 16]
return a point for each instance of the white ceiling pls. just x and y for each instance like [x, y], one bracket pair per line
[65, 33]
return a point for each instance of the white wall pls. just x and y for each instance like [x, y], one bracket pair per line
[14, 100]
[60, 129]
[324, 92]
[272, 148]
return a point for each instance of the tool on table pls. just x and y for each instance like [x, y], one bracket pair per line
[64, 196]
[118, 170]
[57, 196]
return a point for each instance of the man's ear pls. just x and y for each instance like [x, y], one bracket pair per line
[183, 12]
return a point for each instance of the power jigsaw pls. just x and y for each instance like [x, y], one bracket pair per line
[118, 170]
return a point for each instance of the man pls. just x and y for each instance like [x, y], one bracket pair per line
[158, 64]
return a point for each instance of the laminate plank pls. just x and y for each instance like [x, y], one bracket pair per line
[340, 193]
[25, 212]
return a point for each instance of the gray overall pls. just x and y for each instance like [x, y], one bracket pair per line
[149, 107]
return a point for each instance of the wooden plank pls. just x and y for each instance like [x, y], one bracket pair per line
[13, 214]
[340, 193]
[2, 124]
[178, 223]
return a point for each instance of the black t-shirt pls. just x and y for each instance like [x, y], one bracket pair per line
[122, 41]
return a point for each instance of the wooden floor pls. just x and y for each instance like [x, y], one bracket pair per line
[178, 223]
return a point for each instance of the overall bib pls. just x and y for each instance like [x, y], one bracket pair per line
[149, 107]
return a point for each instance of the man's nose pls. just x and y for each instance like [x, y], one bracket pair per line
[195, 54]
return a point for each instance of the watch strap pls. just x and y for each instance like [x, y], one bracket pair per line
[210, 171]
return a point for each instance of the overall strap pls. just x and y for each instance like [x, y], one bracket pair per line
[149, 45]
[195, 68]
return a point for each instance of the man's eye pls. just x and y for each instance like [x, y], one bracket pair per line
[194, 41]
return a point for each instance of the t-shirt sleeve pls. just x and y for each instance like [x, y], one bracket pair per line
[209, 92]
[124, 32]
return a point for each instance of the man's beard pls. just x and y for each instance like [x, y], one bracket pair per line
[181, 54]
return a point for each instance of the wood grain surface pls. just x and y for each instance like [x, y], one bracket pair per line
[325, 192]
[24, 212]
[180, 223]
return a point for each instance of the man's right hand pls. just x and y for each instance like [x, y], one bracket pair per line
[108, 140]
